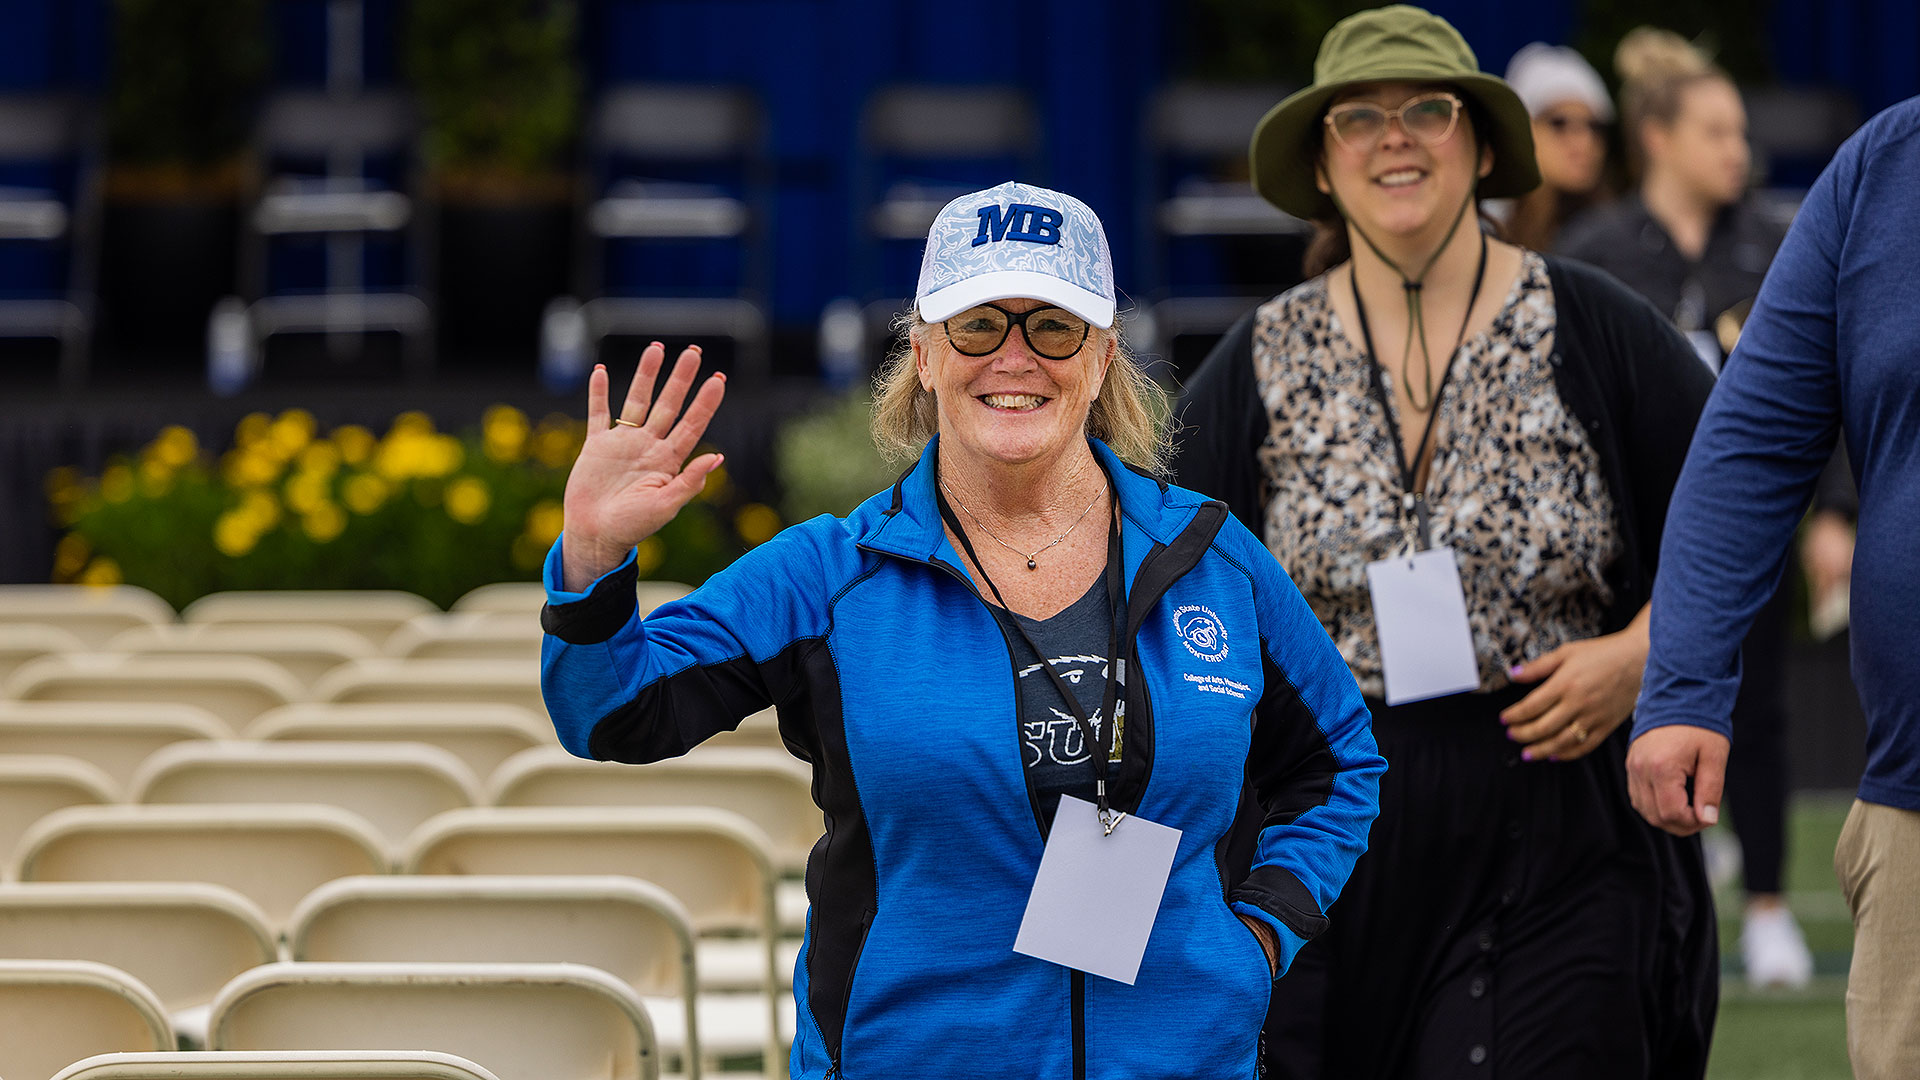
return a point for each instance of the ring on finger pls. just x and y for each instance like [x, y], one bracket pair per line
[624, 420]
[1579, 733]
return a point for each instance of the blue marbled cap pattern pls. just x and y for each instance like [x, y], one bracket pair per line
[1081, 256]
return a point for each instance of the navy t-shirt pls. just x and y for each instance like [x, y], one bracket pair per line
[1058, 759]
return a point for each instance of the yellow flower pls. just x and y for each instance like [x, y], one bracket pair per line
[174, 447]
[648, 555]
[260, 509]
[407, 454]
[70, 556]
[544, 522]
[252, 428]
[249, 466]
[101, 571]
[324, 522]
[504, 432]
[411, 422]
[756, 523]
[321, 457]
[65, 495]
[156, 478]
[354, 441]
[234, 534]
[557, 442]
[468, 499]
[116, 484]
[291, 432]
[306, 491]
[364, 493]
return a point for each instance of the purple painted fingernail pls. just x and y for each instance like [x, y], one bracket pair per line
[1526, 755]
[1514, 671]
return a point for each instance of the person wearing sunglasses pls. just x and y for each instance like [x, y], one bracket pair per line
[1461, 451]
[1032, 680]
[1571, 117]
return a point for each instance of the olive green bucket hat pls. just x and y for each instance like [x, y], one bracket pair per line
[1390, 44]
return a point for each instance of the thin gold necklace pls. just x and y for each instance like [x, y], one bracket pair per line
[1030, 556]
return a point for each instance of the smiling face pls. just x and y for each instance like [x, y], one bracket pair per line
[1012, 406]
[1401, 186]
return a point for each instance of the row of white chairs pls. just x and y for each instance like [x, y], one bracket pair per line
[277, 1065]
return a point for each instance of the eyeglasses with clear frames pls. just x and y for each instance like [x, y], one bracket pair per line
[1427, 118]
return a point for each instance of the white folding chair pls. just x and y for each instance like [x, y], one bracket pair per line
[392, 786]
[53, 1012]
[372, 613]
[183, 940]
[35, 785]
[234, 688]
[528, 597]
[439, 681]
[631, 929]
[112, 736]
[273, 855]
[92, 613]
[468, 635]
[305, 652]
[482, 734]
[525, 1021]
[714, 862]
[278, 1065]
[21, 642]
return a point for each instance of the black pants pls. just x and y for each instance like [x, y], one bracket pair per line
[1509, 919]
[1756, 790]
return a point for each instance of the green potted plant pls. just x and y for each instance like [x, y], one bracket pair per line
[499, 94]
[183, 83]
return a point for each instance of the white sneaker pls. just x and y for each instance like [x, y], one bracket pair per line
[1773, 950]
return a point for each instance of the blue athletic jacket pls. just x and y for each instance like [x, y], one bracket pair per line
[896, 682]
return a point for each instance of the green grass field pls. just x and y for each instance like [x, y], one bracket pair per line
[1791, 1035]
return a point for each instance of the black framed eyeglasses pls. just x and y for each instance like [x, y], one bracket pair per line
[1052, 332]
[1429, 118]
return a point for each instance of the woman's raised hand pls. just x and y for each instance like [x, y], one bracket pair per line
[633, 476]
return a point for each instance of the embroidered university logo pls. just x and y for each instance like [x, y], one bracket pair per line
[1019, 221]
[1201, 632]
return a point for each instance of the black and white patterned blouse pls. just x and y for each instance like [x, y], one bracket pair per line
[1515, 488]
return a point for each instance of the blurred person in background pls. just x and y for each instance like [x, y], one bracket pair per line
[1571, 115]
[942, 657]
[1473, 444]
[1827, 351]
[1696, 243]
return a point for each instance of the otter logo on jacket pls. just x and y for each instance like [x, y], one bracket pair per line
[1201, 632]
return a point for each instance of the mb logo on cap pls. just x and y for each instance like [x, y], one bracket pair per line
[1037, 224]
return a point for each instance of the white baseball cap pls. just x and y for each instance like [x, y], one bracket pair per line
[1546, 75]
[1016, 240]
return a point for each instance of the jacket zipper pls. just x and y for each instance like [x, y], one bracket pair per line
[866, 927]
[1078, 992]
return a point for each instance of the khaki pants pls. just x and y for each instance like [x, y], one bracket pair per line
[1878, 863]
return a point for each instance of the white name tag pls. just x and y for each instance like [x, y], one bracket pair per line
[1420, 614]
[1095, 897]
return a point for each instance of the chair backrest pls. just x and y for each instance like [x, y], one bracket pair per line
[35, 785]
[183, 940]
[21, 642]
[524, 1021]
[482, 734]
[392, 786]
[716, 863]
[949, 121]
[113, 736]
[441, 681]
[54, 1012]
[767, 787]
[39, 126]
[469, 635]
[372, 613]
[1208, 119]
[305, 652]
[234, 688]
[314, 123]
[676, 121]
[92, 613]
[272, 855]
[529, 597]
[278, 1065]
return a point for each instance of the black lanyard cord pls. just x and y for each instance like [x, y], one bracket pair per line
[1102, 748]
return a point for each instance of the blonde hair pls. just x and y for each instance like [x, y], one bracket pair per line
[1130, 414]
[1656, 68]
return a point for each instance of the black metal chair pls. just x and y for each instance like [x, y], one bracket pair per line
[53, 137]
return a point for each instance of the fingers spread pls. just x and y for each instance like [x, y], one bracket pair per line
[693, 424]
[640, 390]
[673, 394]
[597, 420]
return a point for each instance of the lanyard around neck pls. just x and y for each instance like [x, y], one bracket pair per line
[1102, 747]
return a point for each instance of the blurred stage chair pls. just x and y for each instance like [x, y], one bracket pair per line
[306, 652]
[278, 1065]
[112, 736]
[92, 613]
[234, 688]
[374, 614]
[50, 203]
[468, 635]
[21, 642]
[183, 940]
[54, 1012]
[272, 855]
[434, 681]
[675, 168]
[1794, 131]
[392, 786]
[35, 785]
[528, 597]
[524, 1021]
[482, 734]
[631, 929]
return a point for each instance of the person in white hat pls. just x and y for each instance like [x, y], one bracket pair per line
[1028, 652]
[1571, 116]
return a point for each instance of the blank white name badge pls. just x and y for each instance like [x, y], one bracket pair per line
[1420, 613]
[1095, 897]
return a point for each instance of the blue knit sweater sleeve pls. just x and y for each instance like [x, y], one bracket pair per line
[1768, 430]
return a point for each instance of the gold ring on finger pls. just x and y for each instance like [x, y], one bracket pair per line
[1579, 733]
[624, 420]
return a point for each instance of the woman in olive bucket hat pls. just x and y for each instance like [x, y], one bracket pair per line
[1462, 452]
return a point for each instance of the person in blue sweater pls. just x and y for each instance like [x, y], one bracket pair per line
[1828, 351]
[1029, 645]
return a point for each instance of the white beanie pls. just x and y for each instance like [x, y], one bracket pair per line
[1547, 75]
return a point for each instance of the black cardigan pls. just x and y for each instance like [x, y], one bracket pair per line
[1620, 367]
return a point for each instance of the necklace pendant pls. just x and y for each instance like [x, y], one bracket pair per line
[1031, 565]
